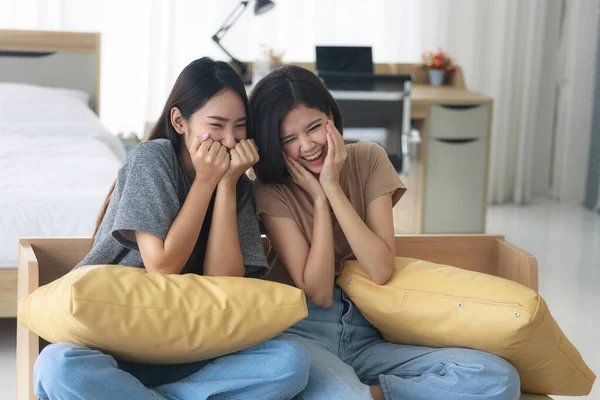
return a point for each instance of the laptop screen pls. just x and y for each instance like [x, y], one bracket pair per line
[357, 59]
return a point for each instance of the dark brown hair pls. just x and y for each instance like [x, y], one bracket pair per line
[200, 81]
[270, 102]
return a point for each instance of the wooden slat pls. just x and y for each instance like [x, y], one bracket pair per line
[8, 293]
[472, 252]
[50, 41]
[516, 264]
[419, 110]
[57, 256]
[21, 40]
[27, 342]
[426, 94]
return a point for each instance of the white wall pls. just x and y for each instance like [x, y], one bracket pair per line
[145, 43]
[578, 50]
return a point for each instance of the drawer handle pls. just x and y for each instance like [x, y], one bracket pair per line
[460, 106]
[457, 141]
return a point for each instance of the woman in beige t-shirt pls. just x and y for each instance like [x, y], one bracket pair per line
[322, 202]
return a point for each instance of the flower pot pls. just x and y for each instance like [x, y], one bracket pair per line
[436, 77]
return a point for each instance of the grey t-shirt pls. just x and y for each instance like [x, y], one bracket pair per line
[150, 189]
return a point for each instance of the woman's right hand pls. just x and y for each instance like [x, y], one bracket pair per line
[304, 179]
[210, 159]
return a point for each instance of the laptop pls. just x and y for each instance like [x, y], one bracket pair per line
[351, 68]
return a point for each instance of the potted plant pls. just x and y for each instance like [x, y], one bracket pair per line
[437, 64]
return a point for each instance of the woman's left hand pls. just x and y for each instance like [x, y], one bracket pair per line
[335, 159]
[243, 156]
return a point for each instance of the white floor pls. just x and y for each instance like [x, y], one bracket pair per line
[564, 238]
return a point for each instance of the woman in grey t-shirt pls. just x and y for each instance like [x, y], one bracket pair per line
[182, 204]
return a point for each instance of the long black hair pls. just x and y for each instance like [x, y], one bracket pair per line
[199, 82]
[272, 99]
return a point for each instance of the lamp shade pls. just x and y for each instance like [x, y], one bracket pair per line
[262, 6]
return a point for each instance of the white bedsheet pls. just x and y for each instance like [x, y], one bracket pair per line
[52, 185]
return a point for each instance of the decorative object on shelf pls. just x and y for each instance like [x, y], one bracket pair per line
[261, 7]
[275, 59]
[437, 64]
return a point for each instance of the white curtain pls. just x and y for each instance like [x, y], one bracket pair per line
[146, 43]
[598, 198]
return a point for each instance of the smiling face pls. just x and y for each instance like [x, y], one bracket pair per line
[303, 137]
[223, 117]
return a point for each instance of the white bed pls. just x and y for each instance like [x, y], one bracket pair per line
[57, 161]
[51, 187]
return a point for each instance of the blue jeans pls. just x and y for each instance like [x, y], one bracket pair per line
[277, 369]
[348, 355]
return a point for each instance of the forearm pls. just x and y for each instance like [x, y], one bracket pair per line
[223, 255]
[319, 273]
[370, 250]
[176, 249]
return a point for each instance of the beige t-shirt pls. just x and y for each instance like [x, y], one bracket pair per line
[366, 175]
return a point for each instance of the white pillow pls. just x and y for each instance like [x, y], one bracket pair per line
[29, 104]
[30, 110]
[14, 88]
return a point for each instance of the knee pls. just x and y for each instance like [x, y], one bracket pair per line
[290, 364]
[499, 377]
[508, 383]
[50, 369]
[55, 368]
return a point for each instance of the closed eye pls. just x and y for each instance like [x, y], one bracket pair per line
[216, 125]
[314, 128]
[290, 140]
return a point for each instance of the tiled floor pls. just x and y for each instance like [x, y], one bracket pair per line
[564, 238]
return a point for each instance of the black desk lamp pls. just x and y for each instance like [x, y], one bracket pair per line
[261, 7]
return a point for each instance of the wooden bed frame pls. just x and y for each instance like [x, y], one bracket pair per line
[58, 59]
[43, 260]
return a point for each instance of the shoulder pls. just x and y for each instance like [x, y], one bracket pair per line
[366, 156]
[159, 151]
[272, 199]
[365, 151]
[270, 190]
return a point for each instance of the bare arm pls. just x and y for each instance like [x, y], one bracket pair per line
[223, 252]
[372, 242]
[312, 268]
[170, 255]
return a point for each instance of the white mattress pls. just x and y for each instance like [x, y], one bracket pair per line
[52, 185]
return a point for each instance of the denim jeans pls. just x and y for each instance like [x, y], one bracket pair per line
[348, 355]
[277, 369]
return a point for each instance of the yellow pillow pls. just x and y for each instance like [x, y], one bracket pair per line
[160, 319]
[436, 305]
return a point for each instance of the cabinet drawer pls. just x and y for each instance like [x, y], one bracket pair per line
[455, 185]
[457, 121]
